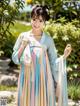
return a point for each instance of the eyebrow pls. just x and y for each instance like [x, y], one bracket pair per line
[37, 17]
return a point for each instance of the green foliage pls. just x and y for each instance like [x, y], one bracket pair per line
[8, 14]
[74, 75]
[74, 90]
[70, 9]
[76, 23]
[61, 20]
[54, 5]
[64, 33]
[15, 30]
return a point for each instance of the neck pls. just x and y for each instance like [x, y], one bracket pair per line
[37, 33]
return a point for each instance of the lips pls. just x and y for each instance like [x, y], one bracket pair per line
[35, 27]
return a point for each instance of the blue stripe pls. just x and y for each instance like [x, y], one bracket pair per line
[21, 84]
[37, 76]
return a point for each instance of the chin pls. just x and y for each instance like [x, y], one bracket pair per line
[37, 29]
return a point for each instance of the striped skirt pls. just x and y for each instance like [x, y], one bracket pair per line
[36, 86]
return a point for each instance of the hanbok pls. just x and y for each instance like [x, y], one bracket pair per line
[39, 68]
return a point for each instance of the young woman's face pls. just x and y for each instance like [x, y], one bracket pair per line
[37, 23]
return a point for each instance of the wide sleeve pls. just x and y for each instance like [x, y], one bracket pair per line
[52, 54]
[16, 47]
[58, 68]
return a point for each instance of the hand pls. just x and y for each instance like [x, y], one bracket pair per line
[67, 50]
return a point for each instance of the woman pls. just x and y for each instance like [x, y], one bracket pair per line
[40, 68]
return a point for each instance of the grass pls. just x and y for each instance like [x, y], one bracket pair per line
[7, 88]
[18, 28]
[74, 90]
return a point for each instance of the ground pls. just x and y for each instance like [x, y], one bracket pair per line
[13, 94]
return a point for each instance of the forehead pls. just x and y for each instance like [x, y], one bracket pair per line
[37, 17]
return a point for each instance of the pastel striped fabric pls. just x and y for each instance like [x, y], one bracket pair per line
[36, 87]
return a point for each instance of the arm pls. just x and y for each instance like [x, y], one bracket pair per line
[18, 49]
[58, 67]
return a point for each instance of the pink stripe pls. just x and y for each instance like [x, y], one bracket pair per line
[34, 59]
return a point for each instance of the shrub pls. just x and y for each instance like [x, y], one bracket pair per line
[64, 34]
[74, 75]
[9, 43]
[8, 14]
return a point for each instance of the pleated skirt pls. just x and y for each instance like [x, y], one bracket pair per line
[36, 86]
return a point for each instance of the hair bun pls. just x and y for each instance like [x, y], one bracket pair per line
[45, 8]
[41, 10]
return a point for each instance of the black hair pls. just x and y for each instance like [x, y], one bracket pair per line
[39, 10]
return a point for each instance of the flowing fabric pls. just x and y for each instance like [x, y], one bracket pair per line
[35, 84]
[62, 83]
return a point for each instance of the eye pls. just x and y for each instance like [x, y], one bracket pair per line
[41, 20]
[34, 19]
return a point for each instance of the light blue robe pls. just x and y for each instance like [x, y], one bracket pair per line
[49, 45]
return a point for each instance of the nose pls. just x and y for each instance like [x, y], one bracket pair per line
[36, 22]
